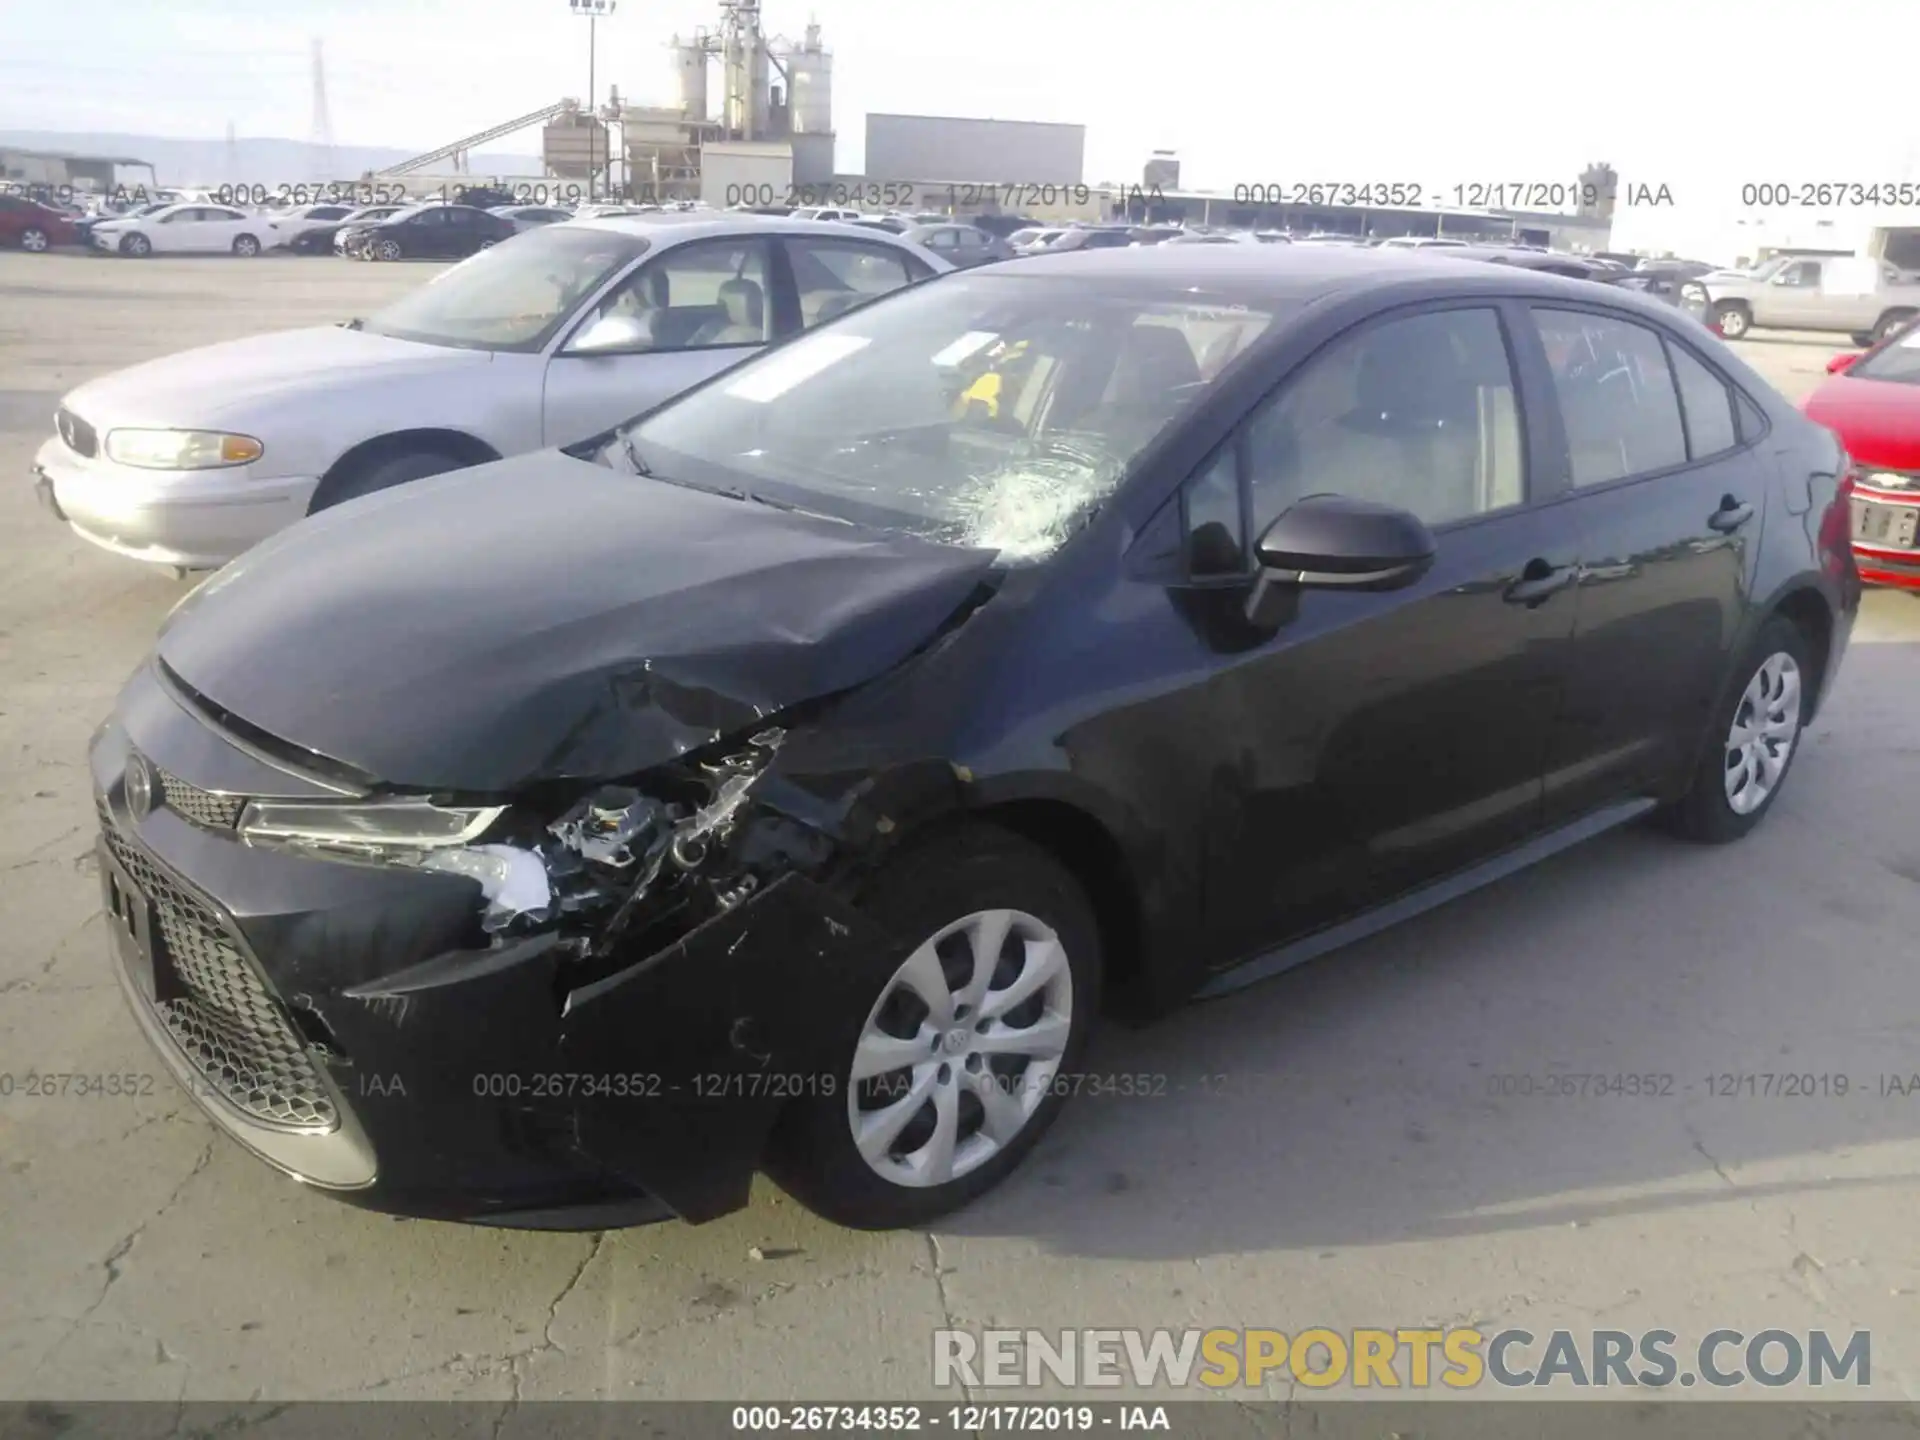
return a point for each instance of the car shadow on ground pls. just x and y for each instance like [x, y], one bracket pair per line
[1467, 1072]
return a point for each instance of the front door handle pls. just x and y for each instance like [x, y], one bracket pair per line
[1539, 582]
[1731, 515]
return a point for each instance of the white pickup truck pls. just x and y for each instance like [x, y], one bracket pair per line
[1864, 299]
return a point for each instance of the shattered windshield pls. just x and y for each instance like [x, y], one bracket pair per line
[511, 296]
[991, 411]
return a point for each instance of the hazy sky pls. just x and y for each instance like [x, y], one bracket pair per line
[1702, 97]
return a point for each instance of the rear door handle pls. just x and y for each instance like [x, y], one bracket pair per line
[1731, 515]
[1540, 581]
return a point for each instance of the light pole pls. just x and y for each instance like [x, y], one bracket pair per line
[593, 10]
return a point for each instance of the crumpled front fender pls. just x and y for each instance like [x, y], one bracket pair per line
[716, 1033]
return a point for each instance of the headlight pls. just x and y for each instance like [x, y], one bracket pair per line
[181, 449]
[370, 826]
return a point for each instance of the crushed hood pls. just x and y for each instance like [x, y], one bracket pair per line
[545, 617]
[217, 382]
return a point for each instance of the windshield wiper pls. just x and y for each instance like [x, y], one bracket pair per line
[354, 324]
[640, 466]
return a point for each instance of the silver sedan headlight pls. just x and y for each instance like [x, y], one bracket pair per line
[182, 449]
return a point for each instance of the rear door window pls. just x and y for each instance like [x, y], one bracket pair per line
[1617, 395]
[835, 276]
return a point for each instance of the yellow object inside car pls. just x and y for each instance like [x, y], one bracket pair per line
[986, 391]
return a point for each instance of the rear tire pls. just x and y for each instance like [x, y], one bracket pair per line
[975, 883]
[1755, 735]
[245, 246]
[382, 473]
[34, 239]
[1731, 318]
[1889, 322]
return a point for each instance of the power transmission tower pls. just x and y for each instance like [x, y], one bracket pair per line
[321, 146]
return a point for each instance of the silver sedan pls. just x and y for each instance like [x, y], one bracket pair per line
[550, 338]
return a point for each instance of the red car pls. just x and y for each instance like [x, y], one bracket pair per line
[1873, 404]
[33, 226]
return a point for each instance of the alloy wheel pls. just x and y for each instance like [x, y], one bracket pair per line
[387, 250]
[961, 1048]
[1766, 724]
[34, 240]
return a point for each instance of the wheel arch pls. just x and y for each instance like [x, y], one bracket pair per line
[438, 440]
[1094, 857]
[1812, 615]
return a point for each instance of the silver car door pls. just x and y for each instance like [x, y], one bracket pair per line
[685, 314]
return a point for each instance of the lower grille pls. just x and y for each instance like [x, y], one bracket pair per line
[227, 1023]
[202, 807]
[78, 434]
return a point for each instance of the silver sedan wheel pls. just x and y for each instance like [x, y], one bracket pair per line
[961, 1048]
[1765, 726]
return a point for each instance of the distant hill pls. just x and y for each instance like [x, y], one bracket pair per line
[251, 162]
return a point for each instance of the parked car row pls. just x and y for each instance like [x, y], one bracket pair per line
[826, 664]
[424, 230]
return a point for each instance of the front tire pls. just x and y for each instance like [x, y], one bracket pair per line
[1731, 318]
[367, 477]
[138, 246]
[970, 1044]
[1756, 733]
[385, 250]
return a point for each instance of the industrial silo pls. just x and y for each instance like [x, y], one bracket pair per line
[690, 71]
[810, 86]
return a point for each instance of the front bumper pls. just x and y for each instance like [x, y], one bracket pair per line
[1888, 567]
[1888, 564]
[194, 520]
[351, 1026]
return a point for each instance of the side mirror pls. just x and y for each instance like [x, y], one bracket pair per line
[611, 333]
[1333, 542]
[1841, 362]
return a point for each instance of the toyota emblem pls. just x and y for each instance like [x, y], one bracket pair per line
[140, 787]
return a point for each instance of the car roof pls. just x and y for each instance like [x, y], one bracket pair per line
[674, 226]
[914, 232]
[1305, 273]
[1521, 255]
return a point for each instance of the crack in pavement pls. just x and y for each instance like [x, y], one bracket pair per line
[939, 1267]
[512, 1359]
[34, 857]
[119, 1252]
[553, 1310]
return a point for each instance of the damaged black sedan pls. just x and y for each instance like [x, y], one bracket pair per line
[784, 782]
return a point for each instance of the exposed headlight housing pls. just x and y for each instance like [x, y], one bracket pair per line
[371, 827]
[182, 449]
